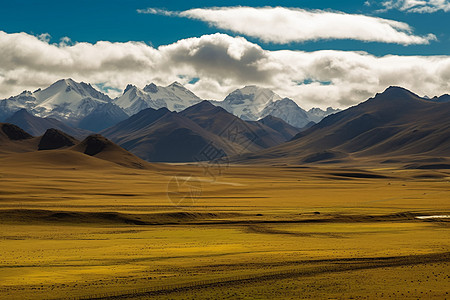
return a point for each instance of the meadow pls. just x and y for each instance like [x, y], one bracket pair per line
[93, 229]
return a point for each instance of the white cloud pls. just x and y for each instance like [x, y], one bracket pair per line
[417, 6]
[284, 25]
[157, 11]
[222, 63]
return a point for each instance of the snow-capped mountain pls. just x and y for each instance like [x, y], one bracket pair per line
[174, 97]
[24, 100]
[288, 111]
[249, 102]
[81, 105]
[253, 103]
[67, 101]
[316, 114]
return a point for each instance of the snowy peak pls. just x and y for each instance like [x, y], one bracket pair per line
[67, 99]
[129, 87]
[253, 94]
[67, 89]
[176, 84]
[151, 88]
[316, 114]
[175, 97]
[248, 102]
[287, 110]
[253, 103]
[24, 100]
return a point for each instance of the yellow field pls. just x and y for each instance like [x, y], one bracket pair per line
[100, 230]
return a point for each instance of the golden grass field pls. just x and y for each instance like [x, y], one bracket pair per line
[91, 228]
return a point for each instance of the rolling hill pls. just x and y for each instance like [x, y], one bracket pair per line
[57, 147]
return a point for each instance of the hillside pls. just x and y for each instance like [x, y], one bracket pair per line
[37, 126]
[164, 136]
[394, 125]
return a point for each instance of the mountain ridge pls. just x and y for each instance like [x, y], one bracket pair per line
[395, 123]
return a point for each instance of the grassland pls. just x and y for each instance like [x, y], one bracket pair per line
[92, 228]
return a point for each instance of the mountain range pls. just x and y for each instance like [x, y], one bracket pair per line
[81, 105]
[249, 126]
[38, 126]
[76, 104]
[200, 132]
[252, 103]
[174, 97]
[396, 125]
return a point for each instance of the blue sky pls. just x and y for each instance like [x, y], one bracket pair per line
[118, 22]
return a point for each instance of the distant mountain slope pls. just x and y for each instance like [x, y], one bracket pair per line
[201, 132]
[220, 122]
[37, 126]
[175, 97]
[280, 126]
[164, 136]
[102, 117]
[441, 99]
[396, 123]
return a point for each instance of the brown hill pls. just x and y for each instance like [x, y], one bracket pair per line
[10, 132]
[55, 139]
[62, 149]
[396, 123]
[14, 139]
[100, 147]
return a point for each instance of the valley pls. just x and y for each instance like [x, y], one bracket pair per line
[203, 203]
[97, 229]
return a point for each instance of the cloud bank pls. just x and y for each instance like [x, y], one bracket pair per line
[222, 63]
[417, 6]
[284, 25]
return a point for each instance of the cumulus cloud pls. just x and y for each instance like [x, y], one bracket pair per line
[222, 63]
[417, 6]
[284, 25]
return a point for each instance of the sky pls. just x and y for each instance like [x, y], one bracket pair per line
[319, 53]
